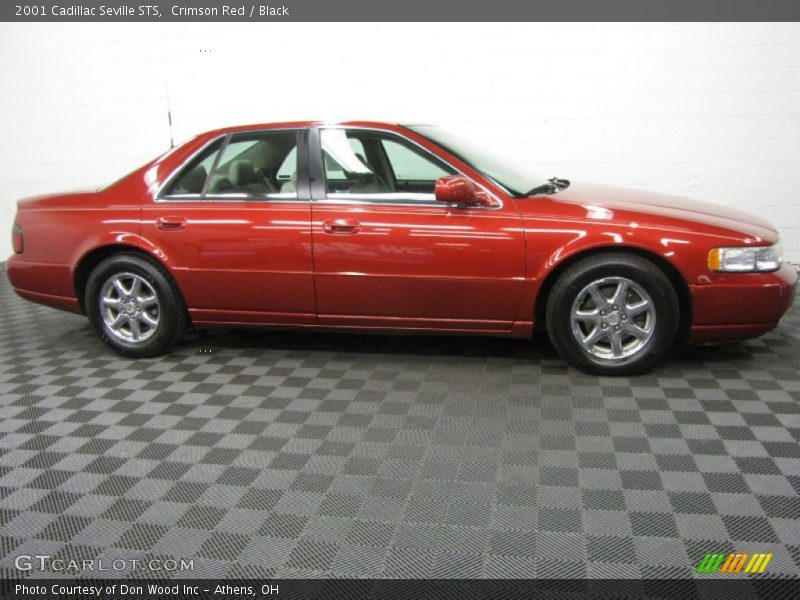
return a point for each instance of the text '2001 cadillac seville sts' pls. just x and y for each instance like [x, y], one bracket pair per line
[379, 227]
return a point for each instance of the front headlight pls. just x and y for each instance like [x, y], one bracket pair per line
[757, 259]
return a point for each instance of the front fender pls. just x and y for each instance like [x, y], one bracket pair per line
[553, 245]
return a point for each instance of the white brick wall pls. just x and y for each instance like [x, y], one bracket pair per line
[711, 111]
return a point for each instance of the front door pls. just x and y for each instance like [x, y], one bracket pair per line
[387, 255]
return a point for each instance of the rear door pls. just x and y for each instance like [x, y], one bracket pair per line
[234, 226]
[387, 255]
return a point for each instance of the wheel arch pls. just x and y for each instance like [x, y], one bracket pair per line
[94, 257]
[670, 271]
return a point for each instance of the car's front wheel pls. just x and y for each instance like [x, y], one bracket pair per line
[613, 314]
[134, 306]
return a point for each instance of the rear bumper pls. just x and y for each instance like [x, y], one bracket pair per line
[43, 283]
[741, 306]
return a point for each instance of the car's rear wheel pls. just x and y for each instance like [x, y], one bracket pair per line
[613, 314]
[134, 306]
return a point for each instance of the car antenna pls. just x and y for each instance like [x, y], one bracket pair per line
[169, 117]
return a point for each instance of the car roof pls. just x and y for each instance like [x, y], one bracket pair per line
[295, 124]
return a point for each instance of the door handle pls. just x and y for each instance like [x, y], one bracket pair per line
[170, 223]
[341, 226]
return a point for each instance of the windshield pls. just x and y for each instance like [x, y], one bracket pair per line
[514, 179]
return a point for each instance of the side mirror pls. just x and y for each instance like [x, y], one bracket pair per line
[458, 190]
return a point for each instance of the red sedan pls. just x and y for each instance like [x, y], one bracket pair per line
[371, 226]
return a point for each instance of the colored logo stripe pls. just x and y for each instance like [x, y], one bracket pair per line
[710, 563]
[758, 563]
[734, 563]
[720, 562]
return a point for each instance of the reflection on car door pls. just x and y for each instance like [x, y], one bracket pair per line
[387, 255]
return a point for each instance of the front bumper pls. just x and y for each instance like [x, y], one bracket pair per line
[739, 306]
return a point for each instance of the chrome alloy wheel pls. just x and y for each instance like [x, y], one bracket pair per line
[613, 318]
[129, 307]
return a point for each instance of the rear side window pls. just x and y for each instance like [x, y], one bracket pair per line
[191, 180]
[257, 165]
[289, 167]
[248, 165]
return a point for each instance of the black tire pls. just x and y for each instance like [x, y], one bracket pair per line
[613, 267]
[173, 320]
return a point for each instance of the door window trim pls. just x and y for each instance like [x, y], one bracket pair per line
[303, 183]
[316, 168]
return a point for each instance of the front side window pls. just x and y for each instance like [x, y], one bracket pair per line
[249, 166]
[517, 180]
[376, 166]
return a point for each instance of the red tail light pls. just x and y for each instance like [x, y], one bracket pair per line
[16, 239]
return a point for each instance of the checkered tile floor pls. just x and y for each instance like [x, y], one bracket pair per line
[308, 454]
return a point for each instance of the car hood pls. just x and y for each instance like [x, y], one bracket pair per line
[611, 203]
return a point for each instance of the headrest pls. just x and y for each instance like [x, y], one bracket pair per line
[219, 183]
[193, 181]
[242, 172]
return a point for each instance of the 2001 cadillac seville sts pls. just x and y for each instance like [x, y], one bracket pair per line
[372, 226]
